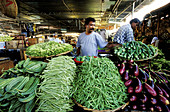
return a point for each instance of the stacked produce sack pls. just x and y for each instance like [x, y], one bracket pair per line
[98, 85]
[135, 50]
[48, 49]
[18, 86]
[55, 89]
[148, 90]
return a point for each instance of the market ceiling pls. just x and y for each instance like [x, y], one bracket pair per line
[70, 14]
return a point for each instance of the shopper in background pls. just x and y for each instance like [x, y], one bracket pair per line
[62, 39]
[46, 39]
[89, 40]
[154, 40]
[125, 32]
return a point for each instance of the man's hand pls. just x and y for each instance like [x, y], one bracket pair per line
[113, 45]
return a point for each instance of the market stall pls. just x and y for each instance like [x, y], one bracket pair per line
[95, 84]
[133, 76]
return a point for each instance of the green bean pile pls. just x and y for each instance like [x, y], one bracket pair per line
[54, 92]
[98, 85]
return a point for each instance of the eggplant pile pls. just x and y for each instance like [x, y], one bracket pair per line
[148, 90]
[135, 50]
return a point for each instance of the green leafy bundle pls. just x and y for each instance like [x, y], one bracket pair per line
[5, 38]
[48, 49]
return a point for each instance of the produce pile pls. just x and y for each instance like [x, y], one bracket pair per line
[18, 86]
[54, 91]
[135, 50]
[159, 63]
[148, 90]
[18, 94]
[98, 85]
[25, 68]
[5, 38]
[48, 49]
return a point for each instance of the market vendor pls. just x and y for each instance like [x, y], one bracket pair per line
[125, 32]
[89, 40]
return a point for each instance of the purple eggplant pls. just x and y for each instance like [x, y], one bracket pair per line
[159, 90]
[139, 86]
[130, 89]
[136, 71]
[144, 99]
[164, 100]
[167, 108]
[150, 90]
[142, 73]
[134, 107]
[164, 91]
[122, 69]
[153, 101]
[151, 108]
[128, 82]
[160, 76]
[133, 98]
[126, 76]
[143, 106]
[158, 108]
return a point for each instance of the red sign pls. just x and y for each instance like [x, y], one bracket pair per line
[8, 2]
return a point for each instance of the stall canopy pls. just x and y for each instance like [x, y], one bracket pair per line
[54, 15]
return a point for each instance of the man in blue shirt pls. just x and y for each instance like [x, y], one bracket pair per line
[125, 32]
[89, 40]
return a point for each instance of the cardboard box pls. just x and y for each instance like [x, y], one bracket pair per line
[13, 44]
[5, 65]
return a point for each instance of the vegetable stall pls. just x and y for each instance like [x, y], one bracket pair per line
[87, 83]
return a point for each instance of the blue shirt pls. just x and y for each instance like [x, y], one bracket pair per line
[89, 44]
[124, 34]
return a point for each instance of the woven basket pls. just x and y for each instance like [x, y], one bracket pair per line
[93, 110]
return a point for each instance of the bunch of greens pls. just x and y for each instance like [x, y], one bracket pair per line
[48, 49]
[159, 63]
[54, 91]
[5, 38]
[98, 85]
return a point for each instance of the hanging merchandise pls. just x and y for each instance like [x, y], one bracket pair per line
[9, 8]
[149, 23]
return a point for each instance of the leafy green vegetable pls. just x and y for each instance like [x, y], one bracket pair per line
[48, 49]
[159, 62]
[5, 38]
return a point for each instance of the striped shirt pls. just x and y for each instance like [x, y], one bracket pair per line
[124, 34]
